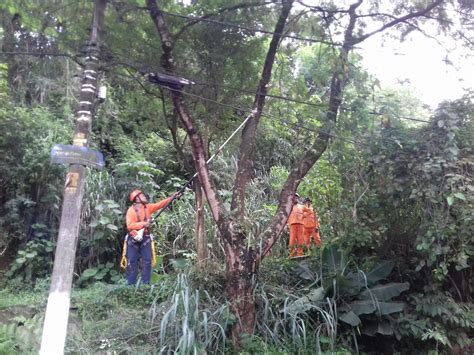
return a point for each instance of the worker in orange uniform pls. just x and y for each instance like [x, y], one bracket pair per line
[139, 241]
[311, 224]
[295, 222]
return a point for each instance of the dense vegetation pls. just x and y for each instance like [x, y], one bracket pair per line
[393, 187]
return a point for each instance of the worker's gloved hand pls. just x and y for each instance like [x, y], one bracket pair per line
[139, 236]
[177, 194]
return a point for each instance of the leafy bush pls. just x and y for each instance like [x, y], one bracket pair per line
[32, 262]
[345, 300]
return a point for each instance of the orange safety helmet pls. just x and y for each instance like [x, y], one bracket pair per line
[134, 195]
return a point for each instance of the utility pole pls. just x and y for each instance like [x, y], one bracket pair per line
[57, 309]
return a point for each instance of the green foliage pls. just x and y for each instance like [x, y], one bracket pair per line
[20, 335]
[358, 297]
[435, 317]
[32, 262]
[8, 339]
[29, 187]
[416, 210]
[101, 229]
[101, 272]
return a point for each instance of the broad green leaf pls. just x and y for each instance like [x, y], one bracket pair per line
[460, 196]
[450, 200]
[112, 227]
[317, 294]
[379, 272]
[360, 307]
[385, 292]
[382, 327]
[99, 234]
[31, 255]
[390, 307]
[89, 273]
[369, 306]
[100, 275]
[104, 220]
[350, 318]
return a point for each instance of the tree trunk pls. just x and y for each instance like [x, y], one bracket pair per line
[201, 240]
[241, 276]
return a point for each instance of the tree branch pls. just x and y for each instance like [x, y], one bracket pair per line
[399, 20]
[250, 129]
[180, 107]
[221, 11]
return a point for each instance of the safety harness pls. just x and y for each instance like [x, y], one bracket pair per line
[123, 261]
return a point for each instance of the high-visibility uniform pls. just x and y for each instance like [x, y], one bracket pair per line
[311, 226]
[137, 217]
[296, 224]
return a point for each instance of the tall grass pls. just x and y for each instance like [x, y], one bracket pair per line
[192, 323]
[303, 332]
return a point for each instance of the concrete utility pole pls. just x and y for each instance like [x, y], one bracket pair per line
[57, 310]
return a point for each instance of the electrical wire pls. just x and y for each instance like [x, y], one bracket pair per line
[273, 96]
[248, 110]
[250, 29]
[284, 98]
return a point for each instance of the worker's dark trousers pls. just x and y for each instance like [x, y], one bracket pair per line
[134, 251]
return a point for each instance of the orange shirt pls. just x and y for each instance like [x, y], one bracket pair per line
[310, 218]
[133, 219]
[296, 215]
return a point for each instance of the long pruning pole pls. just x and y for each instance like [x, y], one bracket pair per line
[57, 309]
[208, 161]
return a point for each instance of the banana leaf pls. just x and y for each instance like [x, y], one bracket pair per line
[380, 272]
[384, 328]
[350, 318]
[385, 292]
[369, 306]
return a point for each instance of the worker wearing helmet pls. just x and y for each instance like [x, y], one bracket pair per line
[139, 241]
[311, 224]
[295, 222]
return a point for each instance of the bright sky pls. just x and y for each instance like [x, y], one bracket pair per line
[419, 62]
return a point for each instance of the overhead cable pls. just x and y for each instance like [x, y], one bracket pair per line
[250, 29]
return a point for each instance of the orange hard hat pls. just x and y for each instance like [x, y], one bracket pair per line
[134, 194]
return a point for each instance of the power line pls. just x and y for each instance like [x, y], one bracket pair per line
[284, 98]
[228, 24]
[250, 92]
[248, 110]
[280, 97]
[253, 93]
